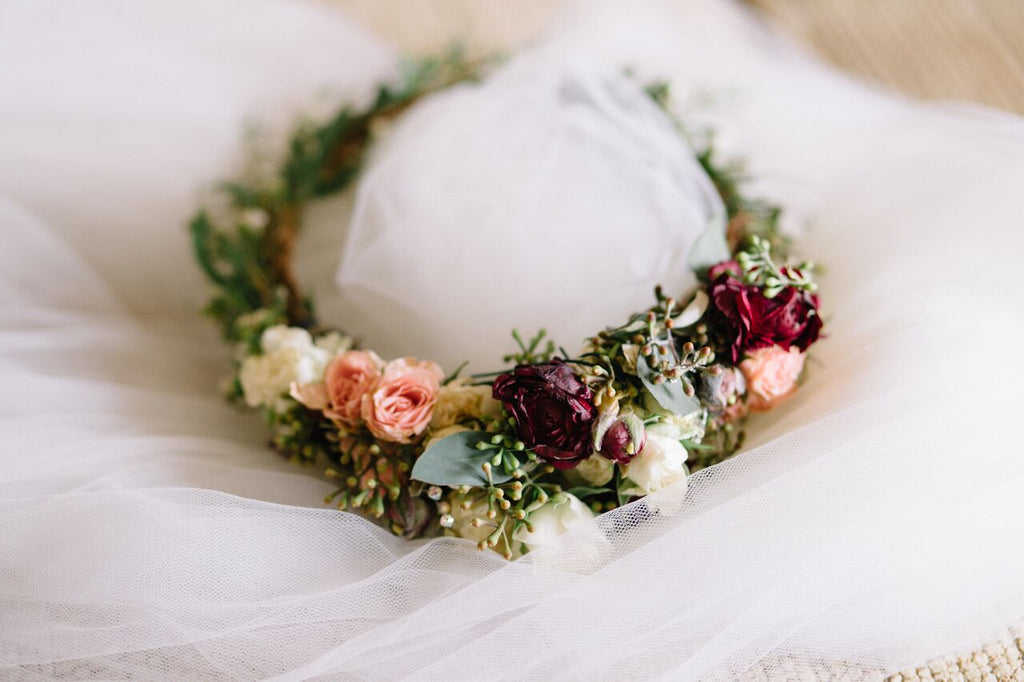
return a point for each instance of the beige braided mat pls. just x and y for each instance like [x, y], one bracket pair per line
[936, 49]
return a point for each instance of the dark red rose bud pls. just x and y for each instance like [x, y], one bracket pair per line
[552, 408]
[745, 319]
[624, 440]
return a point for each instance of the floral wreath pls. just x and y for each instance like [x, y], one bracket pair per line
[510, 459]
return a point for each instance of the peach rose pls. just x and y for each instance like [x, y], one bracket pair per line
[401, 402]
[771, 375]
[348, 378]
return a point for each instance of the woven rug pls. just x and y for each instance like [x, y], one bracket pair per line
[936, 49]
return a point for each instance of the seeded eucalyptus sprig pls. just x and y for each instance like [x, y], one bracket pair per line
[248, 260]
[657, 370]
[759, 269]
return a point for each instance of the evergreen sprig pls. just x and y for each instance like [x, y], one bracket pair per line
[248, 260]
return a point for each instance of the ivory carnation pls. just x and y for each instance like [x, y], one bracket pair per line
[401, 402]
[771, 375]
[348, 378]
[661, 464]
[289, 356]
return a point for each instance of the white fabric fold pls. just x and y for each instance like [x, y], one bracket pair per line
[145, 532]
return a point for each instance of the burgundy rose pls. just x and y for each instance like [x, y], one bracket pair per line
[748, 320]
[552, 408]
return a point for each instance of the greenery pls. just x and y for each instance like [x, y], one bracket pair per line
[657, 360]
[246, 255]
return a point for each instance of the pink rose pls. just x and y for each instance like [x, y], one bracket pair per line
[349, 377]
[313, 396]
[771, 375]
[401, 402]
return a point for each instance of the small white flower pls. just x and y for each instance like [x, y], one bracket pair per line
[594, 471]
[477, 509]
[281, 336]
[559, 514]
[265, 378]
[661, 463]
[289, 355]
[334, 343]
[459, 401]
[256, 218]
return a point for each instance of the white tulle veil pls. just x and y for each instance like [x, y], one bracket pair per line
[555, 195]
[872, 523]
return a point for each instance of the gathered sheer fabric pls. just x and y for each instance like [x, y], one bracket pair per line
[873, 521]
[554, 196]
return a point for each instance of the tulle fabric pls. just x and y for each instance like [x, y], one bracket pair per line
[555, 196]
[873, 523]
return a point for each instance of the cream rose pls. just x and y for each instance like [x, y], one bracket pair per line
[348, 379]
[459, 401]
[401, 402]
[771, 375]
[559, 514]
[594, 471]
[661, 463]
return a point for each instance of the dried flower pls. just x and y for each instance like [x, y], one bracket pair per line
[552, 408]
[749, 320]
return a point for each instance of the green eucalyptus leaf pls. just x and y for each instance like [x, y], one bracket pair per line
[455, 460]
[710, 248]
[669, 393]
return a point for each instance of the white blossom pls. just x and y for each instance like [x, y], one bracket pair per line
[593, 471]
[559, 514]
[459, 401]
[660, 464]
[289, 355]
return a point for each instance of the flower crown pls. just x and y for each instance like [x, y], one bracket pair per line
[509, 459]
